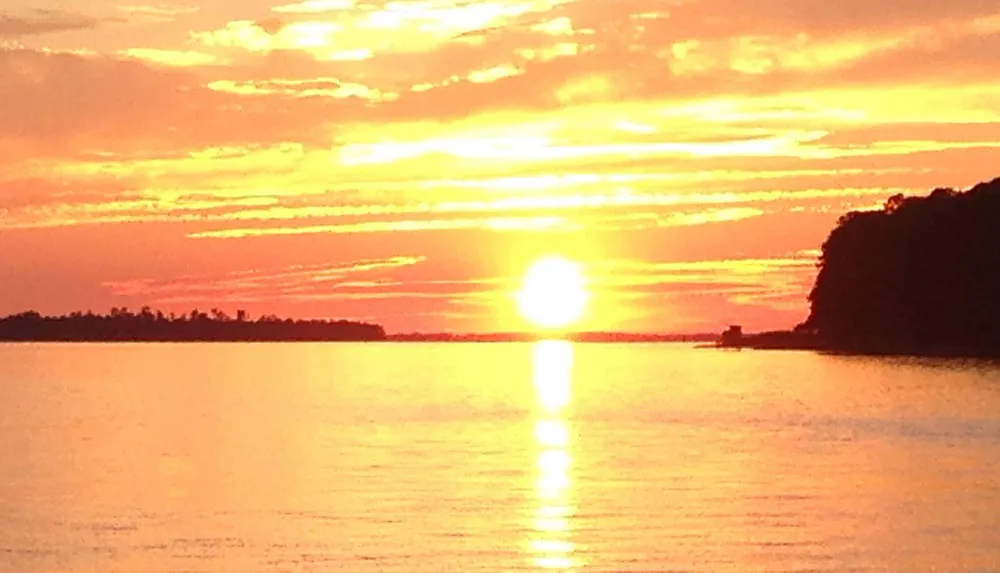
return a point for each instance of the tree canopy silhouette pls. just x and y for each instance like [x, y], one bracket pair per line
[919, 276]
[122, 325]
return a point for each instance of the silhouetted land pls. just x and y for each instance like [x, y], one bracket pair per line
[921, 276]
[148, 325]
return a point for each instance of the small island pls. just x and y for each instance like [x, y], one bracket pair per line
[148, 325]
[920, 276]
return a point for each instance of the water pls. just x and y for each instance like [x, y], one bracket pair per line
[435, 458]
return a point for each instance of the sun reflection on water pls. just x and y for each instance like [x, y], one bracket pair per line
[552, 364]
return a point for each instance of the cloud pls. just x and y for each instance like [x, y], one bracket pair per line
[159, 12]
[956, 58]
[392, 226]
[108, 94]
[555, 223]
[390, 290]
[42, 198]
[318, 87]
[777, 284]
[127, 104]
[822, 17]
[315, 6]
[179, 58]
[618, 57]
[43, 22]
[442, 109]
[459, 60]
[265, 284]
[250, 185]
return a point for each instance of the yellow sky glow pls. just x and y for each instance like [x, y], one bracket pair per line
[144, 145]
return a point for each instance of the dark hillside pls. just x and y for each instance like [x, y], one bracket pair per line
[919, 276]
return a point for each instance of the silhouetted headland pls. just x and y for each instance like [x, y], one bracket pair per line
[122, 325]
[921, 276]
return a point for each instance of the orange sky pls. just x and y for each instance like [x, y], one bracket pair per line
[405, 161]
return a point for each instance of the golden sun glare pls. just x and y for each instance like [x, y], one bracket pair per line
[553, 294]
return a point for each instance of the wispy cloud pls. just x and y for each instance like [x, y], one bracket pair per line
[41, 22]
[268, 284]
[315, 6]
[318, 87]
[172, 57]
[159, 12]
[747, 289]
[396, 226]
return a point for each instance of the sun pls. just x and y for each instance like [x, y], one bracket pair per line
[554, 293]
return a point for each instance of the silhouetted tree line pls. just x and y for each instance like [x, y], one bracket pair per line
[148, 325]
[919, 276]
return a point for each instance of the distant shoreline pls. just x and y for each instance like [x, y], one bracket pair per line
[581, 337]
[432, 338]
[152, 326]
[149, 326]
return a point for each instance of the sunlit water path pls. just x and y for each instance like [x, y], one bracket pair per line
[497, 457]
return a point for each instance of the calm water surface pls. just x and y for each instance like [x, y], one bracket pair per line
[522, 457]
